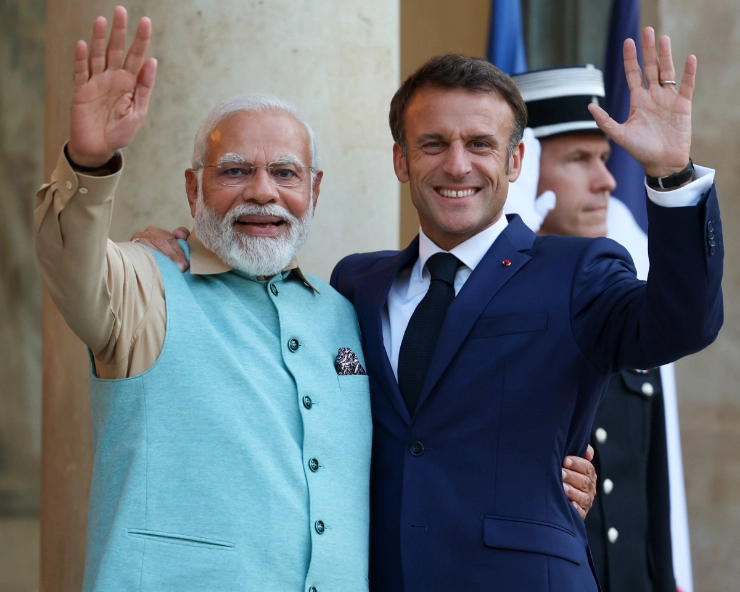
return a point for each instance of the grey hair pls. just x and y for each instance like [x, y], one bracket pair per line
[249, 103]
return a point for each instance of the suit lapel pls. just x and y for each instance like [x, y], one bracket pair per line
[371, 302]
[490, 275]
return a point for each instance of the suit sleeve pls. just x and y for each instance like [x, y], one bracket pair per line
[339, 282]
[620, 322]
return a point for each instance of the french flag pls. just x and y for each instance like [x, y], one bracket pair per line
[506, 37]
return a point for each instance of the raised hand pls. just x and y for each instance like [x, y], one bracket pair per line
[657, 132]
[111, 95]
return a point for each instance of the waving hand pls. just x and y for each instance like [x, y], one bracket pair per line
[111, 94]
[657, 132]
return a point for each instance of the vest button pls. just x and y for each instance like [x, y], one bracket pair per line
[319, 526]
[313, 464]
[647, 389]
[307, 402]
[274, 289]
[612, 534]
[416, 449]
[608, 486]
[293, 345]
[600, 435]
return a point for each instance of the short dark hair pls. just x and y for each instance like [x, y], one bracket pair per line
[453, 71]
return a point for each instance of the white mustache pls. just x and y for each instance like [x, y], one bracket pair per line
[253, 210]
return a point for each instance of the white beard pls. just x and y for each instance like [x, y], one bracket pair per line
[253, 255]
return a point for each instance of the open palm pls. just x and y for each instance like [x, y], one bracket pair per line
[111, 96]
[657, 132]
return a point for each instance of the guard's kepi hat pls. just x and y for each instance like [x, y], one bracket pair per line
[557, 99]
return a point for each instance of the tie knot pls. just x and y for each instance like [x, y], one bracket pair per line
[443, 266]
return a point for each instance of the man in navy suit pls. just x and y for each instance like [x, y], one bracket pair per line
[466, 481]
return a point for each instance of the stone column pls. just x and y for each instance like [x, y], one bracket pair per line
[338, 61]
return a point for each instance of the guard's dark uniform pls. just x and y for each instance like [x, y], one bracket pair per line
[629, 526]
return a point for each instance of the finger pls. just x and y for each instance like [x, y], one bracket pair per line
[589, 456]
[172, 250]
[606, 124]
[583, 501]
[181, 233]
[82, 74]
[97, 46]
[583, 483]
[144, 86]
[665, 59]
[576, 498]
[580, 466]
[138, 49]
[632, 69]
[649, 56]
[117, 40]
[688, 82]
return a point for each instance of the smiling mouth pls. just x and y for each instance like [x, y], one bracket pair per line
[454, 194]
[259, 221]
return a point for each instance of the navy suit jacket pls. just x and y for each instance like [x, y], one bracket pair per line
[467, 494]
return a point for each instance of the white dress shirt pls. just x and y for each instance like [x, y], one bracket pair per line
[411, 285]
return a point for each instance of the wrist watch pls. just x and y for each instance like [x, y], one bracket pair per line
[672, 181]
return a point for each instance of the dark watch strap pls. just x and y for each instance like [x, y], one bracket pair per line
[672, 181]
[83, 169]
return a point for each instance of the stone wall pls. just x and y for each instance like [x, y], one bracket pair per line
[22, 47]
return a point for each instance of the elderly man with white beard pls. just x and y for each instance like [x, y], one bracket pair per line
[230, 405]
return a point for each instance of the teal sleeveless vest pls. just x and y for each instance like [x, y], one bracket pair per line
[240, 461]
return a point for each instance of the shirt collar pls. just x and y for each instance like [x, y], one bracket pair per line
[205, 262]
[469, 252]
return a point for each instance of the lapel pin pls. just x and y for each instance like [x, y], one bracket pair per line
[506, 262]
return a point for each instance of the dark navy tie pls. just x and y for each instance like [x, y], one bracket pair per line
[424, 327]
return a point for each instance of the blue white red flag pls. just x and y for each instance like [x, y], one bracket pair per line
[630, 176]
[506, 37]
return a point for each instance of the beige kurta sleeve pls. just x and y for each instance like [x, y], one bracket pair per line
[111, 295]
